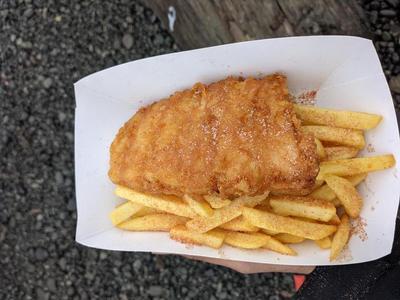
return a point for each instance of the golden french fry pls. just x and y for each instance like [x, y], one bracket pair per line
[169, 204]
[276, 246]
[346, 193]
[198, 205]
[124, 211]
[246, 240]
[341, 136]
[147, 211]
[224, 214]
[269, 232]
[341, 237]
[353, 166]
[326, 193]
[324, 243]
[306, 207]
[320, 149]
[216, 202]
[340, 152]
[289, 238]
[269, 221]
[239, 224]
[153, 222]
[337, 118]
[335, 220]
[213, 238]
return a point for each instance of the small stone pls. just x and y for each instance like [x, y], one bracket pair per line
[28, 13]
[394, 84]
[117, 44]
[103, 255]
[137, 265]
[47, 83]
[127, 41]
[62, 263]
[395, 29]
[373, 17]
[59, 178]
[395, 57]
[158, 40]
[3, 231]
[57, 19]
[41, 254]
[387, 13]
[61, 116]
[41, 295]
[70, 291]
[155, 290]
[386, 36]
[51, 284]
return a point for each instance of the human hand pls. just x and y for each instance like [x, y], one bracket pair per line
[250, 268]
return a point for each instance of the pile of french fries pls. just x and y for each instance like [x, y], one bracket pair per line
[272, 221]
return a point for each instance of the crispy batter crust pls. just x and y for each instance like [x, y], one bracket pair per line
[233, 137]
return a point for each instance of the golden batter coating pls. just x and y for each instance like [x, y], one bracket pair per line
[233, 137]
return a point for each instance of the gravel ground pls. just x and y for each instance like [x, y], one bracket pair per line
[44, 48]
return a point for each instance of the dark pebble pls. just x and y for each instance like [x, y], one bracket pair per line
[127, 41]
[386, 36]
[387, 13]
[42, 295]
[155, 290]
[41, 254]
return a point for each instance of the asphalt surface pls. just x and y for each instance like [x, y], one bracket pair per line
[45, 46]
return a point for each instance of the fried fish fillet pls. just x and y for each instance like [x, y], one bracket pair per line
[233, 137]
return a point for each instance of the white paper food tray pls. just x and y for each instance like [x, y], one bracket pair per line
[345, 71]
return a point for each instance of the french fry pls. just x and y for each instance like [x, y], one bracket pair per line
[347, 194]
[277, 246]
[153, 222]
[269, 232]
[320, 149]
[354, 166]
[147, 211]
[340, 238]
[269, 221]
[199, 206]
[124, 211]
[341, 136]
[335, 220]
[337, 118]
[289, 238]
[213, 238]
[326, 193]
[239, 224]
[224, 214]
[169, 204]
[306, 207]
[246, 240]
[340, 152]
[324, 243]
[216, 202]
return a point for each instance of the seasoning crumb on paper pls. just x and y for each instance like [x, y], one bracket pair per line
[307, 98]
[370, 148]
[358, 228]
[345, 255]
